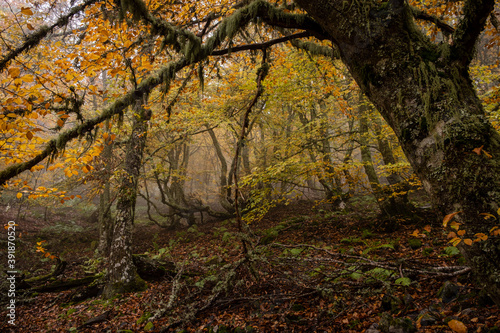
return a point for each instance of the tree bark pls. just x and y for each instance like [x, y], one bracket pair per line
[424, 92]
[122, 275]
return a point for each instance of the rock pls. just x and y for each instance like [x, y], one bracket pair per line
[391, 303]
[388, 324]
[427, 319]
[448, 292]
[373, 328]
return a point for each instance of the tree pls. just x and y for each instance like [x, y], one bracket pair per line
[424, 91]
[421, 88]
[122, 275]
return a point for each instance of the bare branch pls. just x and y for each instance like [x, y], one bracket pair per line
[476, 12]
[441, 24]
[261, 46]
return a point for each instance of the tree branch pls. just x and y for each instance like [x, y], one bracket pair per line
[441, 24]
[58, 144]
[35, 38]
[476, 12]
[261, 46]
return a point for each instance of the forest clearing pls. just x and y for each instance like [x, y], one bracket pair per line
[250, 166]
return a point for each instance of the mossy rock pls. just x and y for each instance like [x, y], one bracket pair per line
[448, 292]
[390, 324]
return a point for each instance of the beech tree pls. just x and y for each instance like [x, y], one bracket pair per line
[422, 88]
[424, 92]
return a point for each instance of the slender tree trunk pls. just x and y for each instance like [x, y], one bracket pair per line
[366, 155]
[391, 205]
[424, 92]
[122, 275]
[106, 222]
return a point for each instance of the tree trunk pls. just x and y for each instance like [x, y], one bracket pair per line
[424, 92]
[122, 275]
[106, 222]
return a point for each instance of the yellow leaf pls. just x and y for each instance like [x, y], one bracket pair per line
[448, 217]
[19, 195]
[455, 241]
[488, 216]
[455, 225]
[457, 326]
[468, 241]
[415, 233]
[26, 11]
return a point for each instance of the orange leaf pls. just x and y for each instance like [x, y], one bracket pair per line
[448, 217]
[452, 235]
[468, 241]
[60, 122]
[481, 236]
[478, 150]
[29, 135]
[457, 326]
[19, 195]
[14, 72]
[461, 232]
[427, 228]
[26, 11]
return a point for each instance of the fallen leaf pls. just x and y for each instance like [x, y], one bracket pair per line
[448, 217]
[457, 326]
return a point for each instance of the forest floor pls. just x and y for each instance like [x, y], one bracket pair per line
[308, 270]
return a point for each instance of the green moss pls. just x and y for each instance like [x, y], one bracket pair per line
[414, 243]
[136, 285]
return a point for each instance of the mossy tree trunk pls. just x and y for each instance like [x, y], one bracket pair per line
[122, 275]
[424, 92]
